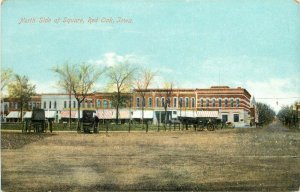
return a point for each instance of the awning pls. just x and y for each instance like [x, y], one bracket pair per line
[138, 114]
[14, 115]
[50, 114]
[208, 114]
[105, 114]
[28, 115]
[66, 114]
[123, 114]
[184, 113]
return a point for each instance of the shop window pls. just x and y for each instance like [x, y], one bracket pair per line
[236, 117]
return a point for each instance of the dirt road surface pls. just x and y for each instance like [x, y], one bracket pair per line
[223, 160]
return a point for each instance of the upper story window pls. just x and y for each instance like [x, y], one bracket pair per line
[65, 104]
[207, 102]
[231, 102]
[214, 103]
[91, 104]
[98, 102]
[55, 105]
[157, 102]
[104, 104]
[137, 102]
[220, 102]
[110, 104]
[45, 105]
[168, 101]
[174, 101]
[74, 104]
[180, 102]
[186, 102]
[193, 102]
[50, 105]
[163, 102]
[143, 102]
[201, 103]
[149, 102]
[86, 104]
[226, 102]
[69, 104]
[237, 103]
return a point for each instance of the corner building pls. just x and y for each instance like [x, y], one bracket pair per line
[223, 102]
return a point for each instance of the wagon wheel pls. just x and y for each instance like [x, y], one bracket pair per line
[210, 127]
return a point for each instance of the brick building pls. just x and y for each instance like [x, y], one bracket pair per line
[223, 102]
[231, 104]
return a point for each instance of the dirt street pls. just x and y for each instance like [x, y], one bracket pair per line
[223, 160]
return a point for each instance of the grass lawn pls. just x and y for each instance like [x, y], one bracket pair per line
[231, 159]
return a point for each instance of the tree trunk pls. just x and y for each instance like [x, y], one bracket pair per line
[117, 107]
[143, 114]
[166, 117]
[117, 114]
[70, 110]
[78, 119]
[21, 115]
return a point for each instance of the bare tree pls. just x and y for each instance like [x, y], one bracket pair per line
[168, 91]
[6, 76]
[121, 78]
[79, 80]
[142, 85]
[21, 89]
[83, 80]
[66, 73]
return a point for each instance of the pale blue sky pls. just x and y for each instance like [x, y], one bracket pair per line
[254, 44]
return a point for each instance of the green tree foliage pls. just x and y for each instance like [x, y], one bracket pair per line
[21, 89]
[265, 114]
[288, 116]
